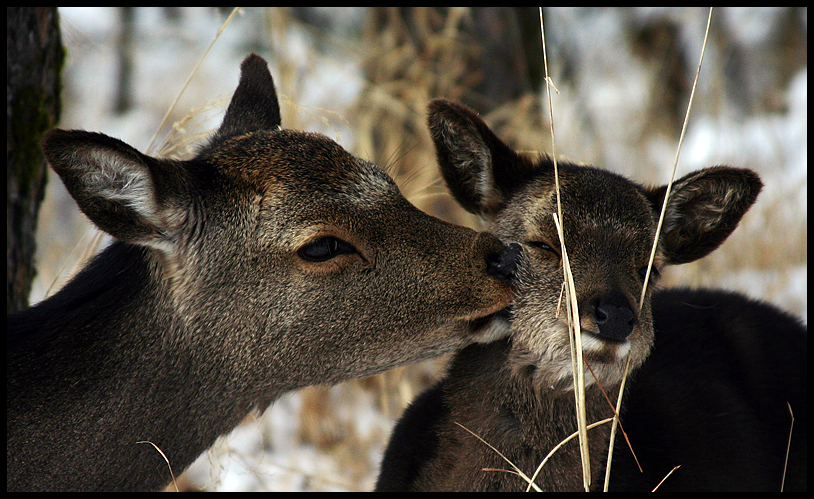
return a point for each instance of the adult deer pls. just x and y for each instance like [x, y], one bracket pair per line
[270, 261]
[715, 370]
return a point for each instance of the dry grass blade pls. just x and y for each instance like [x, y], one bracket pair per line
[614, 426]
[189, 78]
[788, 448]
[577, 363]
[516, 469]
[174, 483]
[548, 85]
[675, 163]
[87, 249]
[656, 238]
[665, 478]
[571, 300]
[559, 445]
[616, 421]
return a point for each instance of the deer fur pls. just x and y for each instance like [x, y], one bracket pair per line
[270, 261]
[713, 371]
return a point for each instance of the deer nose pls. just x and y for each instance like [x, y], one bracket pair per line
[503, 265]
[614, 317]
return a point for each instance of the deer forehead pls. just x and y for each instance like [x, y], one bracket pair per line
[301, 163]
[595, 204]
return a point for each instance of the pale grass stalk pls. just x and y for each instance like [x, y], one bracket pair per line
[516, 469]
[174, 483]
[614, 426]
[87, 252]
[675, 163]
[577, 360]
[559, 445]
[788, 449]
[658, 232]
[559, 300]
[665, 478]
[577, 367]
[191, 75]
[179, 140]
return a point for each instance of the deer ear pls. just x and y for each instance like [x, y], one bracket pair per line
[122, 191]
[703, 210]
[480, 170]
[254, 105]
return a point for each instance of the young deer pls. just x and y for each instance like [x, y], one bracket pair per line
[272, 260]
[715, 369]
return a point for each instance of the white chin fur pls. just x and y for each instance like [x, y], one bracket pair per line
[497, 328]
[592, 342]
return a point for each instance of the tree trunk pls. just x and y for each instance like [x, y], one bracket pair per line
[34, 57]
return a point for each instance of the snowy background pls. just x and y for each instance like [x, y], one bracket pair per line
[358, 76]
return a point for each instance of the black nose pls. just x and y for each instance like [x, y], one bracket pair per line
[503, 265]
[614, 317]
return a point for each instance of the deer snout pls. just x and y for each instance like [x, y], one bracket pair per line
[614, 317]
[503, 265]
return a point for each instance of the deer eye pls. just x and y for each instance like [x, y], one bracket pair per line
[542, 245]
[654, 274]
[325, 248]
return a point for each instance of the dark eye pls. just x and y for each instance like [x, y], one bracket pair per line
[542, 245]
[654, 274]
[325, 248]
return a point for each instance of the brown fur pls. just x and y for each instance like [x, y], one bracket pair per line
[517, 394]
[272, 260]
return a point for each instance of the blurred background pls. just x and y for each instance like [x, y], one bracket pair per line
[363, 77]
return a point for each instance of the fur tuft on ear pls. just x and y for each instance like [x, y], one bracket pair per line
[121, 190]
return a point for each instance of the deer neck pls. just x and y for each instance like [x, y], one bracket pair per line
[524, 421]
